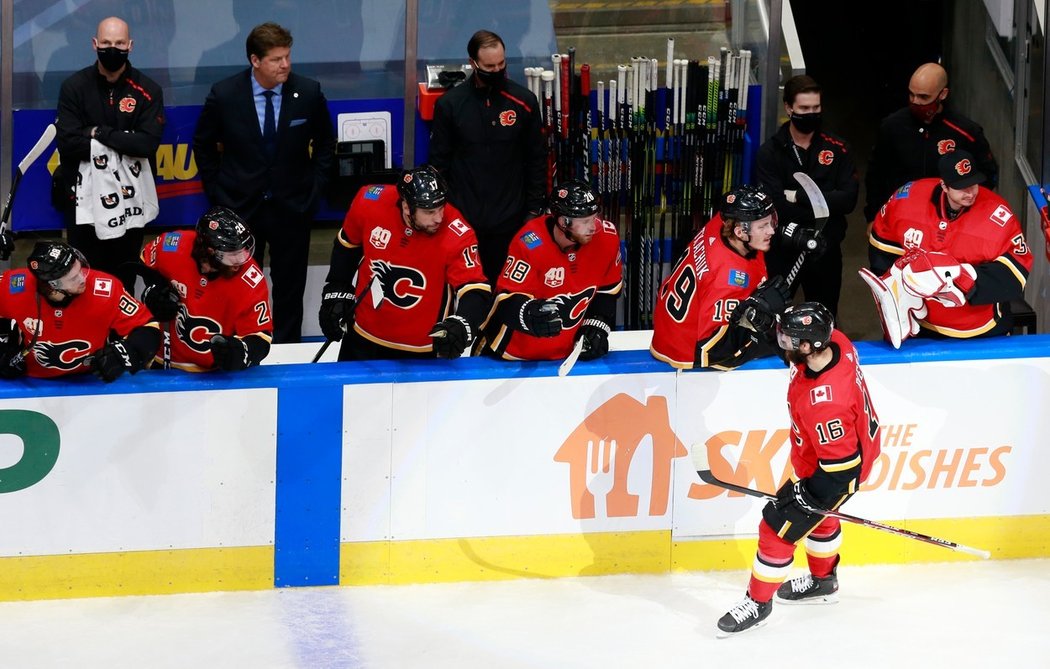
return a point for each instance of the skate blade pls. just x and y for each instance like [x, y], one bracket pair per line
[826, 599]
[721, 634]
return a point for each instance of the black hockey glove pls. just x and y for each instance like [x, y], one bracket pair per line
[162, 300]
[113, 359]
[7, 244]
[800, 238]
[12, 358]
[595, 336]
[798, 495]
[758, 312]
[540, 318]
[230, 353]
[451, 336]
[337, 310]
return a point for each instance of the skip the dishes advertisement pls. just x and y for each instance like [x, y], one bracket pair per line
[504, 457]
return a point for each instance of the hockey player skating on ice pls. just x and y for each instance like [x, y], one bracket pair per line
[834, 442]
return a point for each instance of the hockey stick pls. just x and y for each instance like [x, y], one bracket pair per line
[703, 469]
[320, 351]
[820, 217]
[566, 366]
[41, 144]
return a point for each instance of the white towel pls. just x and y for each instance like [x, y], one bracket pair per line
[115, 192]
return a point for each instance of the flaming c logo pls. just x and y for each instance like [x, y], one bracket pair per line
[945, 146]
[826, 157]
[607, 442]
[508, 117]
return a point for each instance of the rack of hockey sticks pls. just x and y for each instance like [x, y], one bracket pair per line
[658, 156]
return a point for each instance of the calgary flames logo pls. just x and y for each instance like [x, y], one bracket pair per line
[127, 104]
[945, 146]
[963, 167]
[826, 157]
[508, 118]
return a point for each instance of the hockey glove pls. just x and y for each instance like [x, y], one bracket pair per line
[451, 336]
[113, 359]
[540, 318]
[230, 353]
[758, 312]
[162, 300]
[337, 310]
[801, 238]
[939, 276]
[595, 336]
[796, 494]
[12, 358]
[7, 244]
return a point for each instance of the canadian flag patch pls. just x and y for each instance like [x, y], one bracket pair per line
[820, 394]
[103, 287]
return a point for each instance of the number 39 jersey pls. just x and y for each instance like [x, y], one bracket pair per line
[239, 305]
[693, 305]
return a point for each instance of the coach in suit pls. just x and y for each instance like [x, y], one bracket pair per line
[253, 151]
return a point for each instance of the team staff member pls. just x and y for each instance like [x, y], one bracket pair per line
[699, 318]
[834, 443]
[209, 291]
[264, 145]
[486, 140]
[912, 140]
[803, 145]
[61, 317]
[561, 280]
[950, 253]
[404, 280]
[115, 104]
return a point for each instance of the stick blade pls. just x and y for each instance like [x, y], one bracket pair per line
[701, 463]
[566, 366]
[41, 144]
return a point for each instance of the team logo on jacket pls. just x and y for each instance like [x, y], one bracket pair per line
[135, 168]
[101, 161]
[826, 157]
[127, 192]
[402, 286]
[65, 356]
[379, 237]
[508, 118]
[573, 307]
[945, 146]
[109, 201]
[196, 331]
[103, 286]
[127, 104]
[739, 278]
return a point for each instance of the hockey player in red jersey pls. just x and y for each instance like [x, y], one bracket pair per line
[559, 284]
[61, 317]
[834, 443]
[204, 284]
[947, 256]
[404, 280]
[697, 321]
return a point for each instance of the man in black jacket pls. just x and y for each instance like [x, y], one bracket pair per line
[111, 102]
[487, 143]
[253, 149]
[801, 145]
[912, 140]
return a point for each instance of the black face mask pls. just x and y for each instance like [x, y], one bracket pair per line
[491, 79]
[806, 123]
[111, 58]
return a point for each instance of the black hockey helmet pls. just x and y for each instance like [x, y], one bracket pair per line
[574, 199]
[51, 261]
[808, 321]
[226, 234]
[422, 188]
[745, 204]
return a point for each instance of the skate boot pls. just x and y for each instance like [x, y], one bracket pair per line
[748, 614]
[810, 589]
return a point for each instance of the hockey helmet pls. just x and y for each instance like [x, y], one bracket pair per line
[422, 188]
[808, 321]
[226, 235]
[51, 263]
[745, 204]
[573, 199]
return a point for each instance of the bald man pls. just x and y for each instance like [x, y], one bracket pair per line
[912, 140]
[111, 102]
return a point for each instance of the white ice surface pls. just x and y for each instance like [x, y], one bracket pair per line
[973, 614]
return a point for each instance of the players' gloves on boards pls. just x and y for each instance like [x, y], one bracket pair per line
[758, 312]
[230, 353]
[162, 300]
[337, 310]
[451, 337]
[113, 359]
[595, 336]
[800, 238]
[12, 357]
[540, 318]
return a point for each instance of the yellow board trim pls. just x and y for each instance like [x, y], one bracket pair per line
[136, 573]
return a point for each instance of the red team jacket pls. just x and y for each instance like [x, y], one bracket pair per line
[417, 277]
[537, 268]
[61, 337]
[236, 306]
[694, 303]
[987, 235]
[834, 426]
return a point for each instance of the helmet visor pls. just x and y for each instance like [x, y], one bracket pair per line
[73, 281]
[786, 341]
[234, 258]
